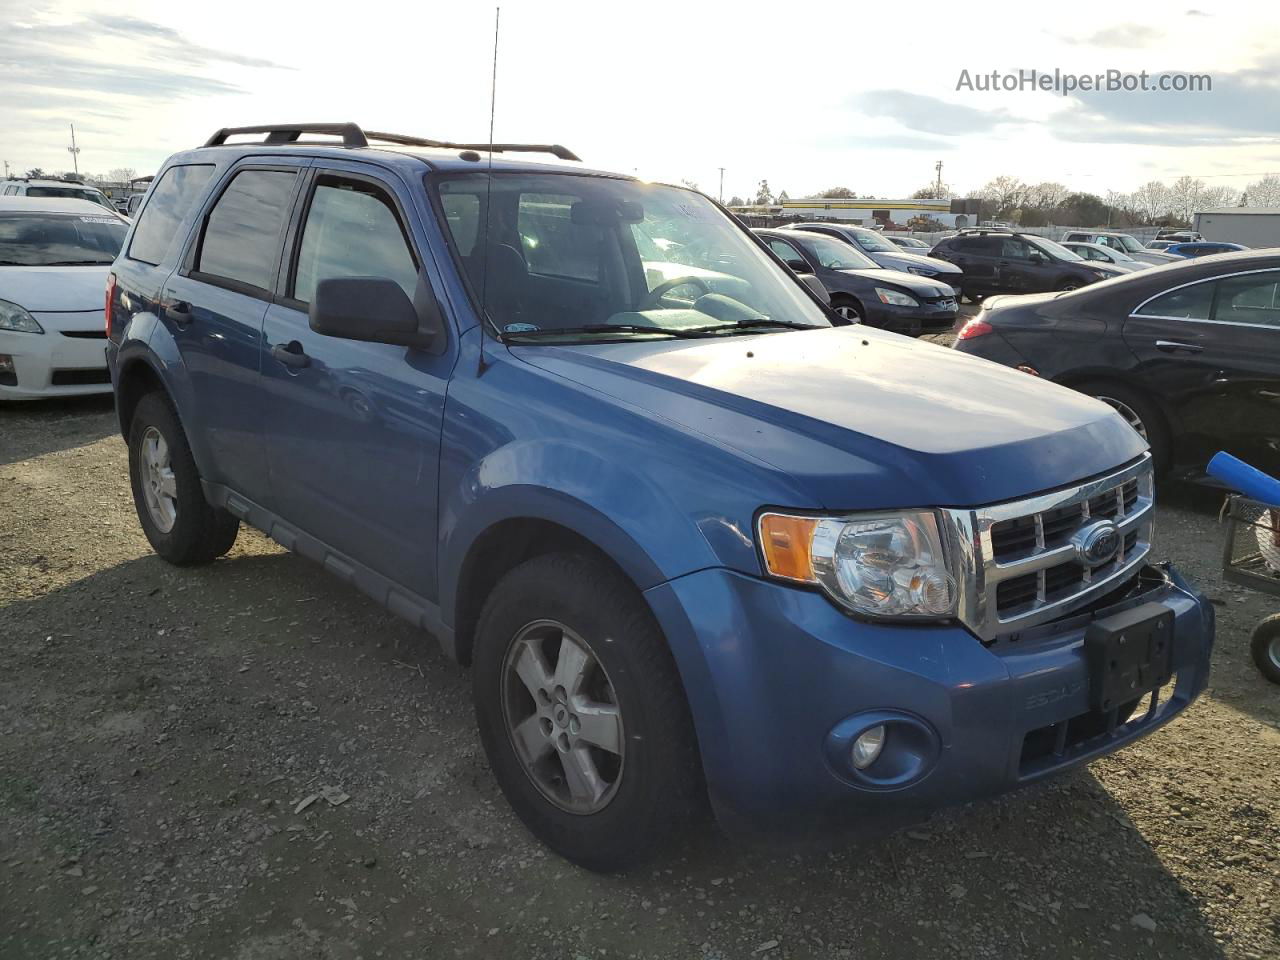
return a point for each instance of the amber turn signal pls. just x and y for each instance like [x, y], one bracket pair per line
[785, 542]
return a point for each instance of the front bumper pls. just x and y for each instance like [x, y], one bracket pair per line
[68, 359]
[926, 318]
[773, 674]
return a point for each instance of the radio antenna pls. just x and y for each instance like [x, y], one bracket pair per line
[488, 189]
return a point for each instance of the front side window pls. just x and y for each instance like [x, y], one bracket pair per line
[873, 242]
[241, 241]
[1014, 249]
[352, 230]
[1253, 299]
[171, 201]
[786, 251]
[1186, 303]
[1129, 244]
[56, 240]
[835, 255]
[547, 255]
[1054, 251]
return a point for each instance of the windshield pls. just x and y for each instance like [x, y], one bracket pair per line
[575, 258]
[835, 255]
[50, 239]
[1055, 250]
[868, 240]
[72, 193]
[1129, 243]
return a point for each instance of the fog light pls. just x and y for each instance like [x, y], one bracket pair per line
[867, 747]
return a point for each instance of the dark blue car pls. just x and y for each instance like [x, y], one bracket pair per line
[694, 539]
[1202, 248]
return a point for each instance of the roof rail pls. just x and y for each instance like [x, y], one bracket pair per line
[353, 136]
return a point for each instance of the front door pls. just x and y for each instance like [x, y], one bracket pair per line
[1214, 348]
[353, 428]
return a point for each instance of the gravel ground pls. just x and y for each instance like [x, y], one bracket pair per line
[160, 728]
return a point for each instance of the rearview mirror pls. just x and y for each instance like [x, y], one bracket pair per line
[377, 310]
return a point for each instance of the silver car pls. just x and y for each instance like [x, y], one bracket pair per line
[888, 255]
[1097, 252]
[1119, 241]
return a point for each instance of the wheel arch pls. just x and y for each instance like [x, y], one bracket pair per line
[137, 378]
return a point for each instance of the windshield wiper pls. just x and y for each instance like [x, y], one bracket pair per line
[757, 322]
[688, 332]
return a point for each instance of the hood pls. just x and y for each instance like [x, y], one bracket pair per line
[861, 418]
[923, 286]
[901, 260]
[54, 289]
[1111, 269]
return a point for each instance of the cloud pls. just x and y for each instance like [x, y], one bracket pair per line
[134, 28]
[1198, 13]
[1238, 109]
[929, 114]
[1121, 36]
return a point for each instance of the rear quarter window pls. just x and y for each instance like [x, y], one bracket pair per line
[171, 200]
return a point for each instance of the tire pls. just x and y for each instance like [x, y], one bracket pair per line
[849, 309]
[193, 532]
[1266, 647]
[639, 795]
[1141, 413]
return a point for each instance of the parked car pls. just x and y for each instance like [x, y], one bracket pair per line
[693, 545]
[1096, 251]
[1179, 236]
[1206, 249]
[862, 291]
[67, 189]
[54, 257]
[1122, 242]
[884, 253]
[1159, 245]
[997, 261]
[1189, 354]
[912, 244]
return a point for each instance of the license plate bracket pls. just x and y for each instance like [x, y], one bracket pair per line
[1129, 654]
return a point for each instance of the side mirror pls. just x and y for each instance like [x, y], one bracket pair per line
[799, 266]
[1039, 258]
[377, 310]
[814, 284]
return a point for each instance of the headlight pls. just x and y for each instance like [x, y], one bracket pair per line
[878, 565]
[896, 298]
[920, 271]
[13, 317]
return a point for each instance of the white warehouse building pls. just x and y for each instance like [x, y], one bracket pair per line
[862, 211]
[1251, 226]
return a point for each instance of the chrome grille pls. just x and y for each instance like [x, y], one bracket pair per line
[1023, 562]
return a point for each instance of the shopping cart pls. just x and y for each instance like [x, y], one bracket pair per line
[1251, 554]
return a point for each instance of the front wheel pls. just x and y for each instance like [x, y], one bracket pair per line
[582, 713]
[179, 523]
[1140, 413]
[1266, 647]
[849, 309]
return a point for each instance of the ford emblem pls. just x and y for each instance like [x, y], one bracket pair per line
[1097, 543]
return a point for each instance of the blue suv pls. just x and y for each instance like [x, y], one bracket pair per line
[699, 537]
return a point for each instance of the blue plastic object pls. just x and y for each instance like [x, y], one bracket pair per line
[1250, 481]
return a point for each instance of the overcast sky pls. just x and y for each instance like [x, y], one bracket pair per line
[807, 95]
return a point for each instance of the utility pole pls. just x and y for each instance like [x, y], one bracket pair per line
[74, 151]
[721, 184]
[6, 169]
[937, 187]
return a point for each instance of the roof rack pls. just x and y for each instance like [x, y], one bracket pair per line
[353, 136]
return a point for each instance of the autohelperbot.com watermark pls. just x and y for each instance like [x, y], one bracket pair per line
[1066, 83]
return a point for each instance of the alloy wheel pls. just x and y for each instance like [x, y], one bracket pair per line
[562, 717]
[159, 486]
[1130, 415]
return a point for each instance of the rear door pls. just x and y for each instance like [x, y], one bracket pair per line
[1212, 350]
[353, 428]
[214, 304]
[977, 256]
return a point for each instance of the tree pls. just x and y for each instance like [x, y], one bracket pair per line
[1004, 193]
[1151, 200]
[932, 192]
[838, 193]
[1264, 192]
[121, 174]
[1082, 210]
[763, 196]
[782, 196]
[1184, 197]
[736, 201]
[1213, 197]
[36, 173]
[1044, 195]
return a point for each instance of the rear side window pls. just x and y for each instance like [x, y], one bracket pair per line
[171, 200]
[241, 241]
[352, 231]
[978, 246]
[1186, 303]
[1252, 299]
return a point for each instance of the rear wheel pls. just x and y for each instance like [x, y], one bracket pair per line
[1139, 412]
[1266, 647]
[179, 523]
[582, 713]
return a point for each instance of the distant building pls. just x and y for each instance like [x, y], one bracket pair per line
[863, 211]
[1251, 226]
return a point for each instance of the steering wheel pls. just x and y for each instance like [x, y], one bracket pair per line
[654, 297]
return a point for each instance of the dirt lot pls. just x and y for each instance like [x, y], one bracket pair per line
[158, 728]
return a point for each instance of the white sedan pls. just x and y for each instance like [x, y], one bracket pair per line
[1096, 251]
[54, 259]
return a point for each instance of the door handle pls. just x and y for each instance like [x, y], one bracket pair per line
[1175, 346]
[179, 311]
[290, 354]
